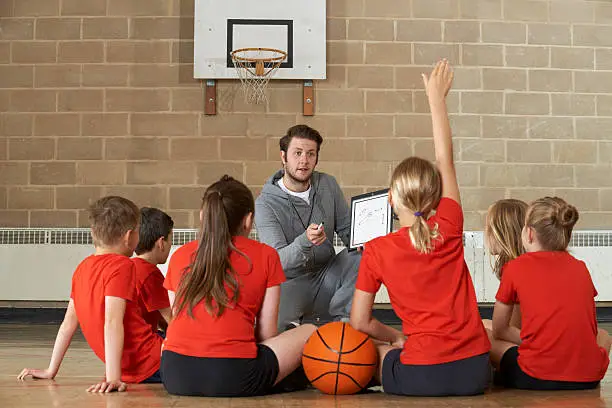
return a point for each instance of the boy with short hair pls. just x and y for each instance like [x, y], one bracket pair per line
[102, 301]
[153, 249]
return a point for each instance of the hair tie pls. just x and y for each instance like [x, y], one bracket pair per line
[418, 214]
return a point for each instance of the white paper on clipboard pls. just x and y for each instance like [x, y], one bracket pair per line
[371, 217]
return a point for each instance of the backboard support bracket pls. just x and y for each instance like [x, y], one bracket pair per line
[210, 97]
[309, 99]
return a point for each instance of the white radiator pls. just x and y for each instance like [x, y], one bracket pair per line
[37, 264]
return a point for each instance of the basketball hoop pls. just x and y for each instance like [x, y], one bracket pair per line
[255, 67]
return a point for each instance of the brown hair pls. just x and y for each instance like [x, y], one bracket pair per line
[553, 220]
[416, 185]
[504, 225]
[224, 206]
[110, 218]
[300, 132]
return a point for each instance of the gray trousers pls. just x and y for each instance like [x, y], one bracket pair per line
[326, 294]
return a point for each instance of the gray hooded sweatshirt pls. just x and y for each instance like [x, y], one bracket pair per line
[282, 219]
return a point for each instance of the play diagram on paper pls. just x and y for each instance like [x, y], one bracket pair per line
[370, 217]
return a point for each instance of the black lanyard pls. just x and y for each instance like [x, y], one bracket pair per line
[298, 213]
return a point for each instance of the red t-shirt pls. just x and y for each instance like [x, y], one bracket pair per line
[96, 277]
[150, 291]
[559, 326]
[232, 335]
[180, 259]
[431, 293]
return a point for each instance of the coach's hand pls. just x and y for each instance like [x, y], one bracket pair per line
[315, 234]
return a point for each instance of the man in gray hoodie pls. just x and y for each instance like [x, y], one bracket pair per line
[297, 213]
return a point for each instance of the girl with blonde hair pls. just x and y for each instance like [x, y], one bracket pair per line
[503, 228]
[443, 347]
[559, 346]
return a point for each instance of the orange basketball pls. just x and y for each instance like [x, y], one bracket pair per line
[339, 359]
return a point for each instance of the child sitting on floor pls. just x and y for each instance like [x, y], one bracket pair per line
[153, 249]
[503, 228]
[223, 339]
[559, 346]
[443, 348]
[103, 301]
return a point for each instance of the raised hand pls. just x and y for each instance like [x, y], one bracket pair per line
[437, 86]
[439, 82]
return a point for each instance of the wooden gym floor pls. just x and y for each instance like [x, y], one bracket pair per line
[30, 346]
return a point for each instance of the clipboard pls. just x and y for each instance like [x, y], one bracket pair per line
[371, 217]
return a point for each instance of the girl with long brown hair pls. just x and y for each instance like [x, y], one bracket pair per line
[443, 347]
[222, 340]
[503, 228]
[558, 346]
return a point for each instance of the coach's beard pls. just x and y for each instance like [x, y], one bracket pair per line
[296, 179]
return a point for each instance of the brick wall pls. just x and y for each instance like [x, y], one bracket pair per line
[97, 97]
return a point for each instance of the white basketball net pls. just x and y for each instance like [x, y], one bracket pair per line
[255, 67]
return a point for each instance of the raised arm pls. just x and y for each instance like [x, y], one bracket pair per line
[437, 86]
[62, 342]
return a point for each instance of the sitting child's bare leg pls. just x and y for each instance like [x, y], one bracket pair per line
[288, 347]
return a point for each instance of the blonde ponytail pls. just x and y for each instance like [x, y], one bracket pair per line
[423, 237]
[416, 185]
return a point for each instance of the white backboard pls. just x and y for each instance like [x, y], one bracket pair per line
[294, 26]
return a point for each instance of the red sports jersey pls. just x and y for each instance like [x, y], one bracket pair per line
[431, 293]
[231, 335]
[559, 325]
[180, 259]
[96, 277]
[150, 291]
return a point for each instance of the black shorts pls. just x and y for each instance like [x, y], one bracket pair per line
[219, 377]
[511, 375]
[469, 376]
[155, 378]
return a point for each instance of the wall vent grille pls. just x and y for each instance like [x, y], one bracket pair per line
[82, 236]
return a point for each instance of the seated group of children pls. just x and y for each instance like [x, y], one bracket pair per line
[220, 297]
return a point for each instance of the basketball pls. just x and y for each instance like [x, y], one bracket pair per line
[338, 359]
